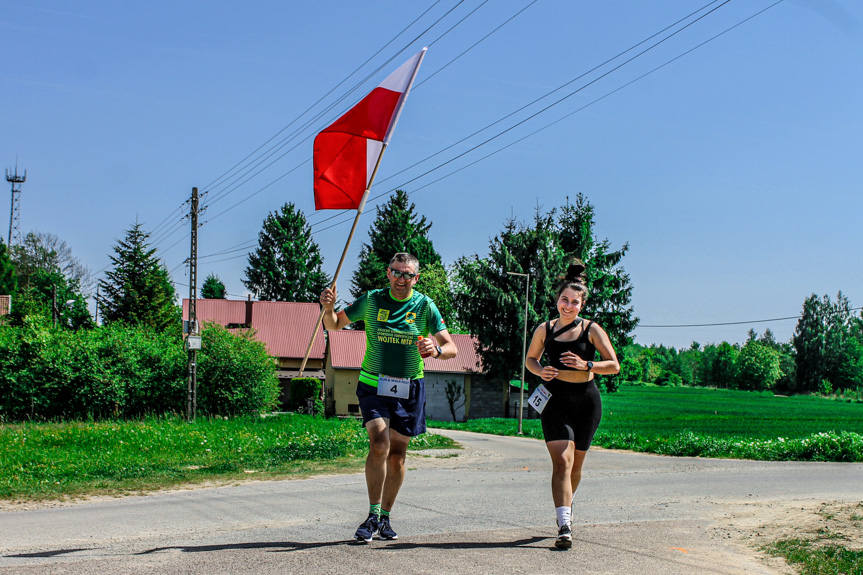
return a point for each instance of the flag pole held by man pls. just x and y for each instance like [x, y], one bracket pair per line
[347, 154]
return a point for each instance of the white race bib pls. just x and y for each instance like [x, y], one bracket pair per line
[539, 398]
[394, 386]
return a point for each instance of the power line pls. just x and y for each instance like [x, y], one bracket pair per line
[288, 139]
[180, 208]
[548, 107]
[505, 117]
[730, 322]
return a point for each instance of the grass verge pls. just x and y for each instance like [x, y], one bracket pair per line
[63, 460]
[810, 558]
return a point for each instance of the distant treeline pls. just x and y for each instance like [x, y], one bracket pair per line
[825, 356]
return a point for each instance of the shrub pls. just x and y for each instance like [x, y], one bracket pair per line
[235, 373]
[303, 389]
[118, 371]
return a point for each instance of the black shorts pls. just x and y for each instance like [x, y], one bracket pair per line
[406, 416]
[573, 413]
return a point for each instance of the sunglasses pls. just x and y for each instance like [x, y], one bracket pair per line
[405, 275]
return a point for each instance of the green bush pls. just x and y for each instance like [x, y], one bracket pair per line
[235, 373]
[303, 389]
[118, 371]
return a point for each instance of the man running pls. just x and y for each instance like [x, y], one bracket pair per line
[402, 327]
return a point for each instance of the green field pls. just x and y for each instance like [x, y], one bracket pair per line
[725, 413]
[688, 421]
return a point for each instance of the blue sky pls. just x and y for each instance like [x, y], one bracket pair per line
[733, 172]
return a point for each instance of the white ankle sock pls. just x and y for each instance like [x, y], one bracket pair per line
[564, 515]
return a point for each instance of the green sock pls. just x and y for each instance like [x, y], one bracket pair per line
[375, 509]
[385, 513]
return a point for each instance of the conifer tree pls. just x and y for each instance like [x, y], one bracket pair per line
[490, 302]
[610, 289]
[138, 290]
[397, 228]
[213, 288]
[286, 266]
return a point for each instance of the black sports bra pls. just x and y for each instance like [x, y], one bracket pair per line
[580, 346]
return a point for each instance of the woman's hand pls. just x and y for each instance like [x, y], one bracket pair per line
[571, 360]
[548, 373]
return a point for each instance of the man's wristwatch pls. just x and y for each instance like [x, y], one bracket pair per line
[439, 350]
[589, 365]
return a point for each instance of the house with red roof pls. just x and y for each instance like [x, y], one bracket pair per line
[285, 328]
[463, 375]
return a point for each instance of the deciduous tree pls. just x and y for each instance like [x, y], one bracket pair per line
[8, 277]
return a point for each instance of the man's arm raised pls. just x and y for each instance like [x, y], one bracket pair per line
[332, 321]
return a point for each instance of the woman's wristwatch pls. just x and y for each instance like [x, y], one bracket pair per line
[589, 365]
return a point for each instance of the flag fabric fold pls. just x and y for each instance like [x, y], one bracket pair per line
[347, 151]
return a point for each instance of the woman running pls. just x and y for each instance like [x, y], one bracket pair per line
[572, 413]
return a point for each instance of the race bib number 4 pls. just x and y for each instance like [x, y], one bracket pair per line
[394, 386]
[539, 398]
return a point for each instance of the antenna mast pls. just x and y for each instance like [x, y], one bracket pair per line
[15, 212]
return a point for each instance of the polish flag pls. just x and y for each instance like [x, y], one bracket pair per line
[346, 153]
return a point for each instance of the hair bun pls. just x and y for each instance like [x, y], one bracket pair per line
[574, 271]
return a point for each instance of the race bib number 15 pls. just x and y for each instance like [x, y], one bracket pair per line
[539, 398]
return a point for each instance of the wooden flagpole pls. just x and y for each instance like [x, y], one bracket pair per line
[360, 209]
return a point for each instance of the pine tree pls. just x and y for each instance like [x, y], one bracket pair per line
[397, 228]
[810, 338]
[8, 277]
[138, 290]
[286, 266]
[213, 288]
[610, 289]
[490, 303]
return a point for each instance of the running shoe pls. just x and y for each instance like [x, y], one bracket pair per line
[367, 530]
[385, 530]
[564, 537]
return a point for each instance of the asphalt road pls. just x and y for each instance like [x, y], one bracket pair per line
[486, 510]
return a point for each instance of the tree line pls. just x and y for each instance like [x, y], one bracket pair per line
[825, 356]
[480, 294]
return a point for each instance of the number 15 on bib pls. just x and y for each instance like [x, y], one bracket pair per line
[539, 398]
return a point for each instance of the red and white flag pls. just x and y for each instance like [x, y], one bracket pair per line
[346, 152]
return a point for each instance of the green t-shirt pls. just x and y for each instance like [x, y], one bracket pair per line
[392, 330]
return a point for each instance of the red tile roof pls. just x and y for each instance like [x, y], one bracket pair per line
[284, 327]
[220, 311]
[347, 348]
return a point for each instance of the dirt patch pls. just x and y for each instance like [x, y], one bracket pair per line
[755, 524]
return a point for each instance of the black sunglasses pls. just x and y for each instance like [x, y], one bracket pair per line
[406, 275]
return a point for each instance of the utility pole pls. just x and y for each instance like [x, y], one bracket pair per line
[15, 213]
[193, 341]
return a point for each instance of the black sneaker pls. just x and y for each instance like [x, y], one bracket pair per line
[564, 537]
[367, 530]
[385, 530]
